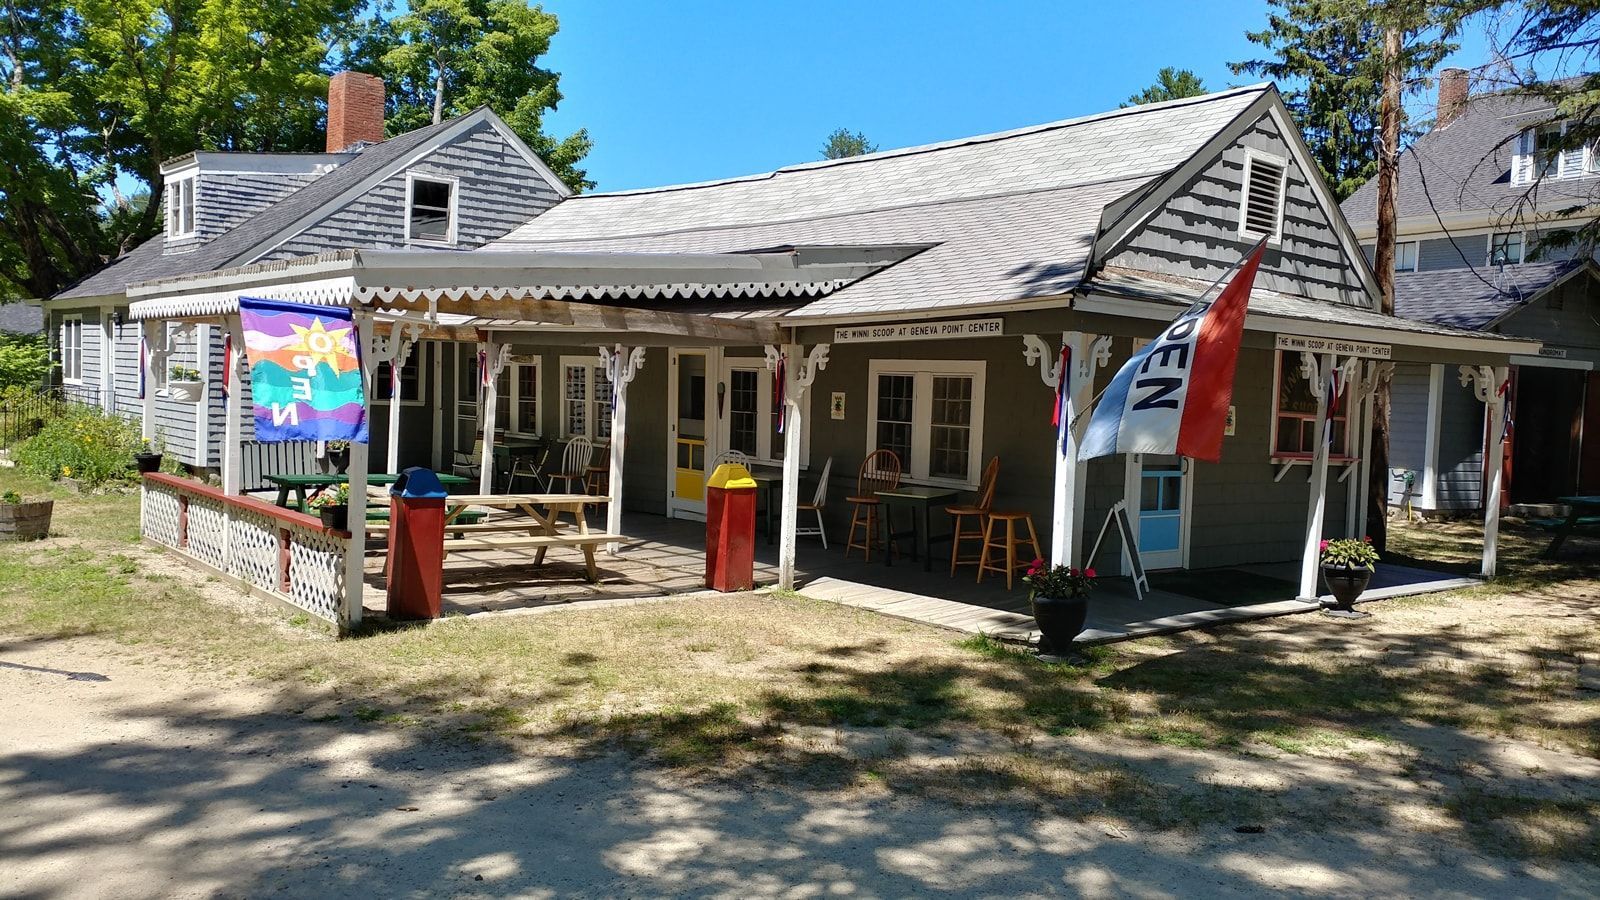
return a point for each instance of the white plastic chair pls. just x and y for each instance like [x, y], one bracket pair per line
[574, 466]
[819, 501]
[737, 457]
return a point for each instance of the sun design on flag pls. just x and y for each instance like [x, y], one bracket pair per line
[320, 344]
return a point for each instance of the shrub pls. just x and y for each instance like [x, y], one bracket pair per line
[83, 443]
[24, 361]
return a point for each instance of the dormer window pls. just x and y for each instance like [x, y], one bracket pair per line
[1540, 154]
[180, 206]
[1261, 201]
[430, 210]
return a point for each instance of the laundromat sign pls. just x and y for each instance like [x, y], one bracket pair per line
[919, 331]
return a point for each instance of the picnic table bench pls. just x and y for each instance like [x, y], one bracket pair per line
[540, 534]
[1584, 512]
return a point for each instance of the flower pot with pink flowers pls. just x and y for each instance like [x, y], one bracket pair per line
[1060, 598]
[1347, 567]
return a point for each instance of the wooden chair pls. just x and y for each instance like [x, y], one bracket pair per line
[574, 469]
[597, 481]
[1008, 544]
[979, 510]
[819, 501]
[880, 471]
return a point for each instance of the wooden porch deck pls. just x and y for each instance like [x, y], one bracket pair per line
[663, 558]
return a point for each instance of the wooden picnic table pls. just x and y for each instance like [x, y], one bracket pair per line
[542, 533]
[1583, 510]
[299, 484]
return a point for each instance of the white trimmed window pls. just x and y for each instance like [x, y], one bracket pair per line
[1505, 248]
[1540, 155]
[180, 206]
[411, 385]
[1294, 419]
[930, 414]
[430, 209]
[524, 400]
[1261, 200]
[752, 411]
[1406, 256]
[72, 349]
[585, 398]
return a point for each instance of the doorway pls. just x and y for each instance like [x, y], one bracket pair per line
[688, 399]
[1547, 426]
[1159, 492]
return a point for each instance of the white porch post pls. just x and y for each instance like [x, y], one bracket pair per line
[621, 365]
[355, 553]
[494, 361]
[1374, 374]
[798, 376]
[436, 360]
[155, 357]
[400, 347]
[232, 408]
[1316, 371]
[1087, 353]
[1489, 384]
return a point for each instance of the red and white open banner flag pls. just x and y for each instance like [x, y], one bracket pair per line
[1172, 397]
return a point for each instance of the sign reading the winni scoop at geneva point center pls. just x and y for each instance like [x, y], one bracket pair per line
[305, 371]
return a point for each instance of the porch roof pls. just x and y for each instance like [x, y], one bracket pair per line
[1477, 298]
[1110, 291]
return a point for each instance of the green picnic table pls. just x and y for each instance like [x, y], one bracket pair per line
[1583, 511]
[300, 483]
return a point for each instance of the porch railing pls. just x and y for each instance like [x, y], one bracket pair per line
[278, 552]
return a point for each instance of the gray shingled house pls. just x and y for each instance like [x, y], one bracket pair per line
[914, 301]
[454, 186]
[1476, 193]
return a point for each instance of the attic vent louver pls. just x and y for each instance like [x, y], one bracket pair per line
[1261, 209]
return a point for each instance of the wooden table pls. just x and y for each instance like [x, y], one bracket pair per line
[1584, 509]
[770, 484]
[299, 484]
[540, 534]
[920, 501]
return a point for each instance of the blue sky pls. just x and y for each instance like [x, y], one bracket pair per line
[696, 90]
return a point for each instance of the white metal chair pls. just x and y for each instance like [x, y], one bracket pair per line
[737, 457]
[574, 467]
[819, 501]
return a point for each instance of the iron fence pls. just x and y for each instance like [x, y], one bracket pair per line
[22, 414]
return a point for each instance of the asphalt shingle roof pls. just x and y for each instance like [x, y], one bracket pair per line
[19, 318]
[147, 262]
[1460, 297]
[1011, 215]
[1466, 166]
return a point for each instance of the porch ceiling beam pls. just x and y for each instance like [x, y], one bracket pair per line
[559, 315]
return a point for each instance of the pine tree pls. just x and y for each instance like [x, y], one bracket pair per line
[1171, 84]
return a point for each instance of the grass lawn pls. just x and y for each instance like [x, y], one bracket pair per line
[1255, 722]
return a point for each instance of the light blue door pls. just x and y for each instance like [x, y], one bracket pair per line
[1161, 511]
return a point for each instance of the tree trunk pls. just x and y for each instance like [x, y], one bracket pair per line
[438, 97]
[1389, 113]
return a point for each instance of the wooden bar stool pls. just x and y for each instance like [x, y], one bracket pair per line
[1007, 544]
[979, 510]
[880, 471]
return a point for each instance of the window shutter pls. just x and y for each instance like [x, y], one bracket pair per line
[1522, 162]
[1263, 199]
[1572, 162]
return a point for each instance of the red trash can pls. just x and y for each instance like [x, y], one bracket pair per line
[731, 529]
[416, 545]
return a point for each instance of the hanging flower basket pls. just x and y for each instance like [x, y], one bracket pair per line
[185, 385]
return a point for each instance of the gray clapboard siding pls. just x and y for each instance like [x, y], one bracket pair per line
[1197, 233]
[125, 367]
[497, 191]
[1460, 447]
[1568, 317]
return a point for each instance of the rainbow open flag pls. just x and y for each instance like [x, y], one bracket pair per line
[305, 371]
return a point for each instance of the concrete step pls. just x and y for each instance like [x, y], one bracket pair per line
[1539, 510]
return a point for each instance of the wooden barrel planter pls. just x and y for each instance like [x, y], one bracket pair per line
[25, 521]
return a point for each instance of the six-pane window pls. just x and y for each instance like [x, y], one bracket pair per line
[585, 399]
[1295, 425]
[410, 382]
[895, 400]
[72, 348]
[524, 398]
[744, 411]
[1505, 248]
[180, 207]
[951, 427]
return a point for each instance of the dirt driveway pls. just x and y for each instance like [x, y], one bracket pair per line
[121, 778]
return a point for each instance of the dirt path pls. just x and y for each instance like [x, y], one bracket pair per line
[121, 778]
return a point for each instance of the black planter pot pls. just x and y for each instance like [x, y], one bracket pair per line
[147, 462]
[339, 460]
[1346, 585]
[335, 517]
[1060, 619]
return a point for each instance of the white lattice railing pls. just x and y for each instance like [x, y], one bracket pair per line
[280, 552]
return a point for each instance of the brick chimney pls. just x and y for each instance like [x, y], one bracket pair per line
[1452, 96]
[355, 110]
